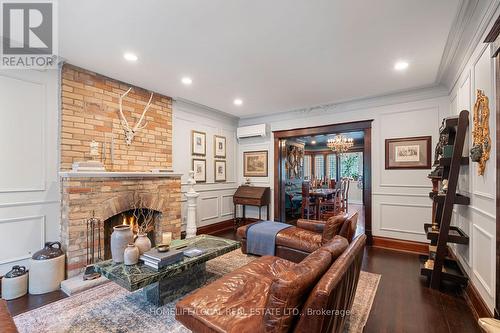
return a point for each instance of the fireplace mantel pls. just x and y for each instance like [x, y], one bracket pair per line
[106, 194]
[111, 174]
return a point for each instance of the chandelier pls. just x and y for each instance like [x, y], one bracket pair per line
[340, 144]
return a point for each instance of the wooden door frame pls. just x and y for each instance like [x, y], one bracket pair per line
[279, 151]
[494, 41]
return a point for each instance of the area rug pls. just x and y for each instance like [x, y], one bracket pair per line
[110, 308]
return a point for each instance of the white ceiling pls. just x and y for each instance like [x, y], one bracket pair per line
[275, 55]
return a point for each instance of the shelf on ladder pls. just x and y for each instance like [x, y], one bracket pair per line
[438, 265]
[446, 161]
[451, 270]
[459, 199]
[455, 235]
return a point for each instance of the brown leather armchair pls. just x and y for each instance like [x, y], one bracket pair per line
[272, 294]
[296, 243]
[7, 324]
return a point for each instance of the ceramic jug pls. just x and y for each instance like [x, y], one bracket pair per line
[122, 236]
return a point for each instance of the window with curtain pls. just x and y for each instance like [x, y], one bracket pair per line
[331, 166]
[319, 166]
[307, 166]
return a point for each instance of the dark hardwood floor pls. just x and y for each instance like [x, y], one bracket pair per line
[403, 303]
[29, 302]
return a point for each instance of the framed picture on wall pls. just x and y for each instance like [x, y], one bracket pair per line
[199, 143]
[255, 163]
[200, 170]
[219, 146]
[408, 153]
[220, 171]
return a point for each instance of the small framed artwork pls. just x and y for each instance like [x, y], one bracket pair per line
[200, 170]
[199, 143]
[219, 146]
[220, 171]
[408, 153]
[255, 163]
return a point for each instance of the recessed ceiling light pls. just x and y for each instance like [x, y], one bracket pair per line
[130, 56]
[187, 80]
[238, 101]
[313, 142]
[401, 65]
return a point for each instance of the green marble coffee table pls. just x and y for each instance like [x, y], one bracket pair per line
[164, 285]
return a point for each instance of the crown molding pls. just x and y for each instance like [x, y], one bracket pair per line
[458, 27]
[403, 96]
[472, 22]
[203, 110]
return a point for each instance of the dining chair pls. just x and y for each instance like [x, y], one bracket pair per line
[331, 207]
[308, 208]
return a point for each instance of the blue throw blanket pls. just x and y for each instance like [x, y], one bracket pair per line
[261, 237]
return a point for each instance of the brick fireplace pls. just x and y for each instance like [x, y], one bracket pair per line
[109, 194]
[90, 113]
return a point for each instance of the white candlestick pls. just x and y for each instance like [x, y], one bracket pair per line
[166, 238]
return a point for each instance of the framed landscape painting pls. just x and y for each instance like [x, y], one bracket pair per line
[220, 171]
[408, 153]
[255, 163]
[200, 170]
[219, 146]
[199, 143]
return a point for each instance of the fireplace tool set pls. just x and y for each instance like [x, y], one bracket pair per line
[93, 232]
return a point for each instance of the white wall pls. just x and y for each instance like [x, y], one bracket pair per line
[478, 219]
[400, 197]
[29, 184]
[215, 203]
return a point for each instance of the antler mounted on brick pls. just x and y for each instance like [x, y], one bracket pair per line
[130, 132]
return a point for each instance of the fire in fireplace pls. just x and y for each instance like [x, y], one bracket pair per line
[139, 219]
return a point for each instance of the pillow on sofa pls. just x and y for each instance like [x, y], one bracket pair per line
[291, 288]
[349, 228]
[332, 227]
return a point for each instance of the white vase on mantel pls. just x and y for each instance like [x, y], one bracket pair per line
[143, 243]
[191, 196]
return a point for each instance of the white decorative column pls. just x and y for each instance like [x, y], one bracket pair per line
[191, 197]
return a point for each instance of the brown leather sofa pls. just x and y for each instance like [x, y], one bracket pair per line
[296, 243]
[6, 322]
[271, 294]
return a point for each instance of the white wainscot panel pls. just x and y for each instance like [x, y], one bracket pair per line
[464, 103]
[417, 122]
[463, 185]
[483, 205]
[227, 206]
[23, 124]
[404, 218]
[209, 208]
[21, 237]
[461, 218]
[483, 250]
[484, 186]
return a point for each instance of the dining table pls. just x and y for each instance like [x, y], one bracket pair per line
[322, 193]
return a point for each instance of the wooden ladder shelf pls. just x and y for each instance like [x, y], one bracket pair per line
[438, 266]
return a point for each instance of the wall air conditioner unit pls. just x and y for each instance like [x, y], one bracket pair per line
[251, 131]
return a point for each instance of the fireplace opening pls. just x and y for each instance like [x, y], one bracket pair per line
[140, 220]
